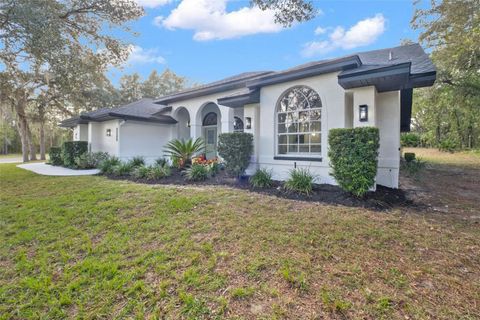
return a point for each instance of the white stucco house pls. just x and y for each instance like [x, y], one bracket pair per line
[288, 112]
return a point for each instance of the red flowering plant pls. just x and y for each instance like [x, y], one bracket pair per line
[213, 165]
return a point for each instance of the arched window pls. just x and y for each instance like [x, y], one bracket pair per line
[299, 122]
[237, 124]
[210, 119]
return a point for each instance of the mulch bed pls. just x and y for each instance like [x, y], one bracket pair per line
[382, 199]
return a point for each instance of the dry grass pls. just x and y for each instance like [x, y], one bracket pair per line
[450, 184]
[469, 159]
[89, 247]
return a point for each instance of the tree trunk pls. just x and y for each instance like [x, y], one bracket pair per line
[31, 145]
[41, 113]
[19, 103]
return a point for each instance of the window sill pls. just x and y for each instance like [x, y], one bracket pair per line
[317, 159]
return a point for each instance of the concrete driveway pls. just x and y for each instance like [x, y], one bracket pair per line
[48, 170]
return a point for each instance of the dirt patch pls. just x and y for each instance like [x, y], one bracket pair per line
[382, 199]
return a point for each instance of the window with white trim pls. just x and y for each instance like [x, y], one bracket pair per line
[298, 122]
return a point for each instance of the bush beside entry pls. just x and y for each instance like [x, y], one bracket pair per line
[353, 157]
[71, 150]
[55, 156]
[235, 148]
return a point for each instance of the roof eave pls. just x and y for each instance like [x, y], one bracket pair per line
[232, 85]
[150, 119]
[309, 71]
[240, 100]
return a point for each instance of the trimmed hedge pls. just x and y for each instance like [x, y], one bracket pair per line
[235, 148]
[55, 156]
[353, 157]
[72, 150]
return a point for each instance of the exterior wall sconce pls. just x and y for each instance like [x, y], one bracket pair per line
[248, 123]
[363, 112]
[109, 132]
[188, 124]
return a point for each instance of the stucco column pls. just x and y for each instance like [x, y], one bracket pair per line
[90, 135]
[252, 112]
[227, 115]
[364, 96]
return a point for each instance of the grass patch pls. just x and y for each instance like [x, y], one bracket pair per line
[91, 247]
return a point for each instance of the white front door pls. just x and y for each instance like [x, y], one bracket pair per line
[210, 136]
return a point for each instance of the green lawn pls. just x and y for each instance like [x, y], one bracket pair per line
[89, 247]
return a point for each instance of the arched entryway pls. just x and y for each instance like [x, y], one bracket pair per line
[210, 117]
[183, 125]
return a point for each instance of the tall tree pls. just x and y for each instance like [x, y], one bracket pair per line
[449, 112]
[159, 85]
[52, 34]
[130, 88]
[288, 11]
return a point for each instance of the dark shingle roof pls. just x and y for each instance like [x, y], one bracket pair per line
[413, 53]
[142, 110]
[361, 62]
[230, 83]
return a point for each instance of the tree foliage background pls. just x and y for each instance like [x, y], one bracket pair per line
[53, 59]
[447, 115]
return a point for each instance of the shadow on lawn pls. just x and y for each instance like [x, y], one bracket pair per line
[382, 199]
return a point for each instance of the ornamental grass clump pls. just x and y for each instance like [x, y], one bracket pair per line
[197, 172]
[137, 161]
[107, 165]
[122, 169]
[140, 172]
[157, 172]
[262, 178]
[301, 181]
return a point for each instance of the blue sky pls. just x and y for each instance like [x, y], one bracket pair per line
[206, 40]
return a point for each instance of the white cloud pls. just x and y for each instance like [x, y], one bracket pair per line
[210, 20]
[138, 55]
[320, 30]
[363, 33]
[152, 3]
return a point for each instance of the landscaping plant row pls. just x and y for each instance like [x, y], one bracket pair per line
[353, 157]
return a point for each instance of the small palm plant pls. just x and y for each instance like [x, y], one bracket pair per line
[182, 151]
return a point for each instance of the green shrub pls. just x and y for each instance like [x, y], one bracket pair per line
[410, 139]
[55, 156]
[157, 172]
[235, 148]
[412, 168]
[409, 156]
[213, 168]
[137, 161]
[71, 150]
[161, 162]
[197, 172]
[90, 160]
[262, 178]
[353, 157]
[106, 166]
[140, 172]
[300, 180]
[448, 145]
[122, 169]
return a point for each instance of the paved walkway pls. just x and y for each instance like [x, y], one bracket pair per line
[48, 170]
[11, 160]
